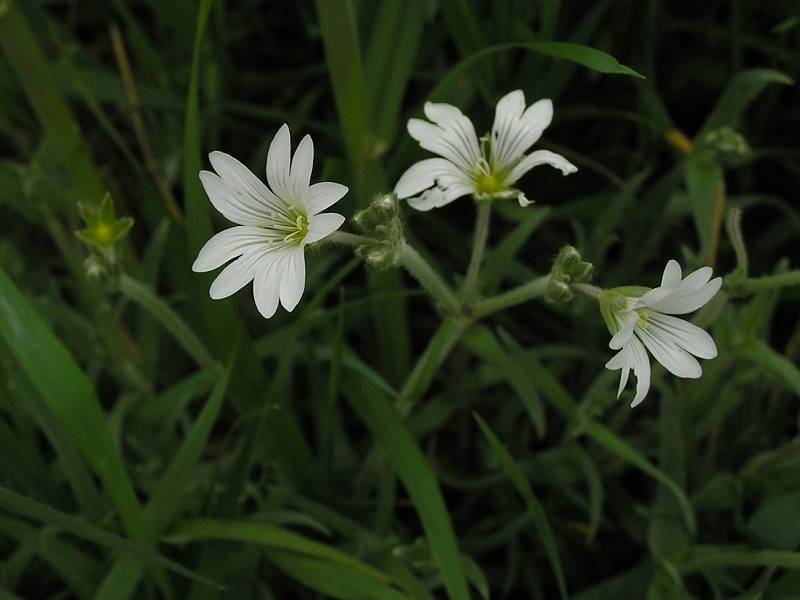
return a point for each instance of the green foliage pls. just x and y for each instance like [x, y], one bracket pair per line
[156, 444]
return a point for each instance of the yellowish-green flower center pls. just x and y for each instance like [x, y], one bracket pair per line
[489, 184]
[298, 229]
[644, 319]
[104, 234]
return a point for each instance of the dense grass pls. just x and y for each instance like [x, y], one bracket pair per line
[156, 444]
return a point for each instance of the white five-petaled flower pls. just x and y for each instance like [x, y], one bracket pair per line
[273, 225]
[642, 319]
[486, 168]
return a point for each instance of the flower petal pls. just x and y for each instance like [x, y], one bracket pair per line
[323, 195]
[674, 358]
[696, 280]
[514, 131]
[680, 303]
[423, 175]
[278, 163]
[249, 189]
[237, 274]
[452, 136]
[687, 335]
[628, 320]
[641, 368]
[540, 157]
[302, 164]
[672, 274]
[320, 226]
[228, 202]
[293, 278]
[438, 197]
[267, 285]
[228, 244]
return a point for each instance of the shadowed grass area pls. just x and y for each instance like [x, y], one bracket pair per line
[448, 434]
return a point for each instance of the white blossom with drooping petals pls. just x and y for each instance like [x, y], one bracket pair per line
[274, 224]
[486, 168]
[645, 323]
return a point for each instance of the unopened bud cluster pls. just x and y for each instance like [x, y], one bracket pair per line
[381, 222]
[728, 145]
[568, 268]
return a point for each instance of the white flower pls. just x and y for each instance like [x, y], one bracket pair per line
[274, 225]
[486, 168]
[642, 320]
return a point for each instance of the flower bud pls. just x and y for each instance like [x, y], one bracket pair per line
[381, 222]
[568, 268]
[728, 145]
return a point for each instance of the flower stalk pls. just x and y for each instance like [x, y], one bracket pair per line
[528, 291]
[470, 290]
[422, 271]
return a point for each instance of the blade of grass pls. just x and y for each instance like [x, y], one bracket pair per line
[69, 395]
[535, 508]
[418, 477]
[36, 511]
[54, 114]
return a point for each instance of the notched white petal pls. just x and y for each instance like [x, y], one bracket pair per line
[323, 195]
[321, 226]
[293, 281]
[226, 245]
[672, 274]
[302, 165]
[279, 161]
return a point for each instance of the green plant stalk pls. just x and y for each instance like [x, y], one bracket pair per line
[422, 271]
[524, 293]
[769, 282]
[482, 219]
[141, 295]
[347, 239]
[52, 111]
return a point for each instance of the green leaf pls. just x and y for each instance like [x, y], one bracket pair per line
[390, 58]
[740, 92]
[535, 508]
[198, 211]
[703, 179]
[329, 579]
[704, 557]
[499, 259]
[776, 521]
[165, 500]
[483, 342]
[416, 473]
[68, 393]
[621, 448]
[77, 526]
[764, 355]
[577, 53]
[289, 550]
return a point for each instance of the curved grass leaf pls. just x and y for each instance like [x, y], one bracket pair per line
[577, 53]
[417, 476]
[36, 511]
[740, 92]
[68, 393]
[301, 557]
[535, 508]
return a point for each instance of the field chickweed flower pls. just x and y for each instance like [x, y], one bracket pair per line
[640, 319]
[274, 226]
[486, 168]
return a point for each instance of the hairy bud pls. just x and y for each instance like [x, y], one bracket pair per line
[381, 222]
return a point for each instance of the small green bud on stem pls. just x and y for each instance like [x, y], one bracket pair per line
[381, 222]
[568, 269]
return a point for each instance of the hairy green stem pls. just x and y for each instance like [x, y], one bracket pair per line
[768, 282]
[589, 290]
[529, 291]
[143, 296]
[470, 289]
[422, 271]
[347, 239]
